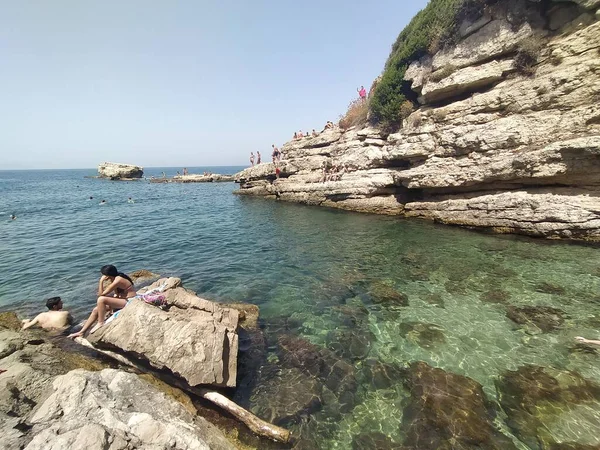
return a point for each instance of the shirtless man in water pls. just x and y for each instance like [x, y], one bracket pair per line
[55, 318]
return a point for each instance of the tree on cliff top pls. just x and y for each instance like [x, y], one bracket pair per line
[425, 33]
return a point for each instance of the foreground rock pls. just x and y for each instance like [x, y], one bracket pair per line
[118, 171]
[490, 148]
[116, 410]
[193, 338]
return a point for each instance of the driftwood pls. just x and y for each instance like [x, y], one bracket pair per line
[257, 425]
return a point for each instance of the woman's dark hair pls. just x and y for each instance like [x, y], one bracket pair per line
[111, 271]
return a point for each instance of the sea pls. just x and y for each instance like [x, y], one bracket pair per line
[400, 291]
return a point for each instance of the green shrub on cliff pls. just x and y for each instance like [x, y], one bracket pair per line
[425, 33]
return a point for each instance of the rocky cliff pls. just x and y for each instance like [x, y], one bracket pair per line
[506, 136]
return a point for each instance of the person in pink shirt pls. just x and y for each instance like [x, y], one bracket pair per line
[362, 93]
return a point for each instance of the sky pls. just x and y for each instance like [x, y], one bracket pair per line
[185, 83]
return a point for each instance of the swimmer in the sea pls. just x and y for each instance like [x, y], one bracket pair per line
[56, 318]
[13, 217]
[130, 200]
[91, 198]
[103, 202]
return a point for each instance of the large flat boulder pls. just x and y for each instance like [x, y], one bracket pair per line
[116, 410]
[116, 171]
[193, 338]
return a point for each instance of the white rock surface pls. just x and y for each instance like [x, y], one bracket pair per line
[116, 410]
[119, 171]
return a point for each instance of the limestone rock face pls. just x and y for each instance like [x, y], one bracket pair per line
[29, 364]
[116, 410]
[194, 338]
[116, 171]
[490, 148]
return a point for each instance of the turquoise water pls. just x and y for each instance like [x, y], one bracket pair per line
[320, 270]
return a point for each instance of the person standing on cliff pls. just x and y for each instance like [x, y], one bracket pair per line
[362, 93]
[276, 154]
[257, 158]
[252, 159]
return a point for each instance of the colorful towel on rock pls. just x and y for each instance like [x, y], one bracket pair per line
[152, 297]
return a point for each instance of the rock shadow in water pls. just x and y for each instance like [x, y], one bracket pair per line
[373, 441]
[495, 296]
[381, 375]
[352, 344]
[550, 288]
[436, 299]
[544, 318]
[534, 398]
[448, 411]
[425, 335]
[385, 294]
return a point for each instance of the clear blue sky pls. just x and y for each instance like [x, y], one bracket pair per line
[184, 83]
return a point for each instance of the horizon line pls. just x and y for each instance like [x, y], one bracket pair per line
[96, 168]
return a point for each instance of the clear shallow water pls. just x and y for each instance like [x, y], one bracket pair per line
[312, 266]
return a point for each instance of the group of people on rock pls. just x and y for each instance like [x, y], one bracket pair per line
[299, 135]
[332, 172]
[275, 154]
[115, 291]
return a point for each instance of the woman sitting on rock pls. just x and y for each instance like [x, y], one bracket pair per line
[121, 287]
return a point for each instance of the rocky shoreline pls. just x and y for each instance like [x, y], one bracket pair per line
[56, 394]
[195, 178]
[490, 148]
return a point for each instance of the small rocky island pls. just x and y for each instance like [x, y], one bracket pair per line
[119, 171]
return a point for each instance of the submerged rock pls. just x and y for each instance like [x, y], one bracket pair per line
[495, 296]
[550, 288]
[353, 344]
[538, 399]
[448, 411]
[118, 171]
[142, 275]
[425, 335]
[436, 299]
[545, 318]
[116, 410]
[373, 441]
[380, 375]
[335, 373]
[285, 395]
[386, 294]
[195, 339]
